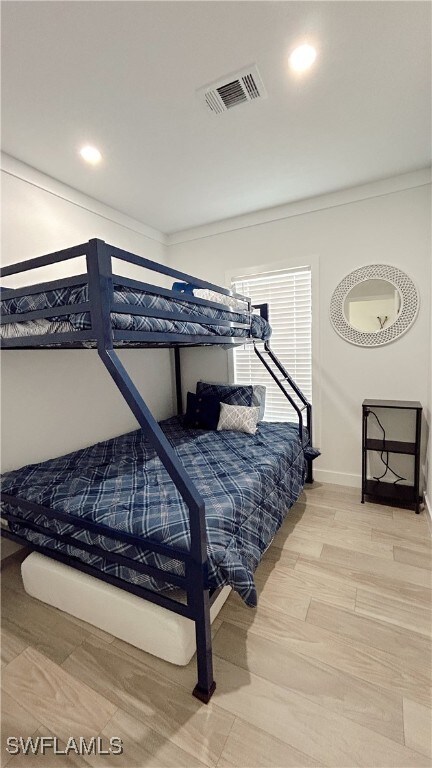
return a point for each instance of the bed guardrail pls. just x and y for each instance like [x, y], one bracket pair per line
[111, 305]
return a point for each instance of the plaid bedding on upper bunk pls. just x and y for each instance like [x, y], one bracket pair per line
[248, 484]
[80, 321]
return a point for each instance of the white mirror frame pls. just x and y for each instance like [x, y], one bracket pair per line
[410, 302]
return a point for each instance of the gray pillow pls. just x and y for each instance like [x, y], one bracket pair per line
[233, 394]
[258, 394]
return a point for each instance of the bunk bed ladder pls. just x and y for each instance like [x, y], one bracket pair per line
[288, 386]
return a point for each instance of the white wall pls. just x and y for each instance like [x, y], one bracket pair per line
[55, 401]
[383, 222]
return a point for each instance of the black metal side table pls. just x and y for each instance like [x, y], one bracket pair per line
[391, 493]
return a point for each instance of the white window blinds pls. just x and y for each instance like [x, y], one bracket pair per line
[289, 296]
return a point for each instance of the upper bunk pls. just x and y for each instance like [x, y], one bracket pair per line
[99, 308]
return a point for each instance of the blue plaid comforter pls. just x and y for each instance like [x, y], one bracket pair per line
[80, 321]
[248, 483]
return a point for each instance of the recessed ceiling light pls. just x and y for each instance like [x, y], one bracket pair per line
[302, 58]
[90, 155]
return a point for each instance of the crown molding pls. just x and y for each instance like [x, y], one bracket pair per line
[13, 167]
[373, 189]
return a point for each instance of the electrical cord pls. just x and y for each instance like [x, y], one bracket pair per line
[385, 461]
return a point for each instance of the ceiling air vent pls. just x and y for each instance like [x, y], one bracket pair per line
[232, 90]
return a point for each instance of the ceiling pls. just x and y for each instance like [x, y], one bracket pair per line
[123, 76]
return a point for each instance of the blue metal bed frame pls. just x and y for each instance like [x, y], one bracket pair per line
[101, 303]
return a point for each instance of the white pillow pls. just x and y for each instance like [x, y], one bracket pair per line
[238, 418]
[230, 301]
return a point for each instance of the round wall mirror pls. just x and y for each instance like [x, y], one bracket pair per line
[374, 305]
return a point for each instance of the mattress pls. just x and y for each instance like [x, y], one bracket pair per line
[145, 625]
[80, 321]
[248, 483]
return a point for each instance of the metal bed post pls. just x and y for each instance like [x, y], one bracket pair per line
[101, 296]
[178, 380]
[309, 473]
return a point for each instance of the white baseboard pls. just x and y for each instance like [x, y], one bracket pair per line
[337, 478]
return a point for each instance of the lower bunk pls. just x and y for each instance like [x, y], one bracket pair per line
[112, 511]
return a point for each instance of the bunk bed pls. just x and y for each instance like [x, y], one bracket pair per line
[205, 506]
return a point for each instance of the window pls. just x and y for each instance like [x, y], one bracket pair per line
[289, 296]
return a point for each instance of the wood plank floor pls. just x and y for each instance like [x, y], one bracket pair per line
[332, 669]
